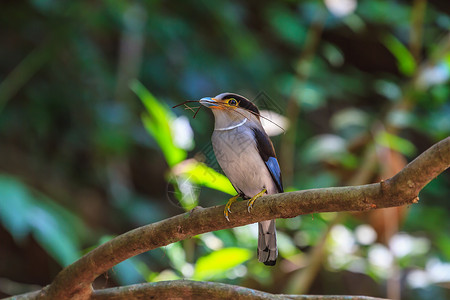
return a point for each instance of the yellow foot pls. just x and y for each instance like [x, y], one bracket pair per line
[253, 199]
[228, 206]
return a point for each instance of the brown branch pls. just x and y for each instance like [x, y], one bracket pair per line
[187, 289]
[74, 282]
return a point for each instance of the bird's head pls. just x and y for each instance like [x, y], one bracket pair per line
[230, 109]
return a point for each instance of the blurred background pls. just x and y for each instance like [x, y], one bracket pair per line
[91, 148]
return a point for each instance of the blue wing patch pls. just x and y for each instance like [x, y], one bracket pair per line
[274, 169]
[265, 149]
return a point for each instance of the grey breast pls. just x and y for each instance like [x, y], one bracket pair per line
[237, 155]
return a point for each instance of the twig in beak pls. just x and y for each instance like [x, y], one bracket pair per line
[190, 108]
[197, 111]
[188, 101]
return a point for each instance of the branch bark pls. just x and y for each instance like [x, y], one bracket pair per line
[200, 290]
[74, 282]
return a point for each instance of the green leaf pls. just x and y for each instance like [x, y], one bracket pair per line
[286, 245]
[185, 191]
[14, 204]
[131, 271]
[405, 61]
[176, 254]
[396, 143]
[286, 25]
[216, 264]
[24, 211]
[325, 147]
[443, 242]
[157, 122]
[51, 235]
[201, 174]
[165, 275]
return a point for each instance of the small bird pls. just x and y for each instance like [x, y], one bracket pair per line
[246, 155]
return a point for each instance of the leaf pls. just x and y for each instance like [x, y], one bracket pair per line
[325, 147]
[130, 271]
[186, 192]
[165, 275]
[157, 123]
[286, 25]
[15, 202]
[273, 123]
[176, 254]
[395, 143]
[24, 211]
[50, 234]
[405, 61]
[286, 245]
[201, 174]
[310, 96]
[216, 264]
[443, 242]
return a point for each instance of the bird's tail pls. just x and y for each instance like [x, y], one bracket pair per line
[267, 243]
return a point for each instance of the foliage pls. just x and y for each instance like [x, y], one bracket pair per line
[90, 146]
[24, 213]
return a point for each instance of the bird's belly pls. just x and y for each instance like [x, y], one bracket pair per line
[241, 162]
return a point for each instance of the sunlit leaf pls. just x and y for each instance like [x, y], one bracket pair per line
[201, 174]
[157, 123]
[350, 118]
[216, 264]
[165, 276]
[433, 74]
[246, 236]
[176, 254]
[211, 241]
[396, 143]
[333, 54]
[325, 147]
[309, 96]
[185, 192]
[286, 245]
[388, 89]
[405, 60]
[273, 123]
[341, 8]
[400, 118]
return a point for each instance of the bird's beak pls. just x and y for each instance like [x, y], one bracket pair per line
[209, 102]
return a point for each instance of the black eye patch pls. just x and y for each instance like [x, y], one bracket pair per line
[241, 102]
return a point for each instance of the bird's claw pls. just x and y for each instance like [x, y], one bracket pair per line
[227, 209]
[253, 199]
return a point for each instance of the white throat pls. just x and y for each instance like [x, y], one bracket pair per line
[232, 126]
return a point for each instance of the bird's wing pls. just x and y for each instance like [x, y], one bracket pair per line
[267, 152]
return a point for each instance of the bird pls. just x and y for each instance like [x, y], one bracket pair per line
[247, 157]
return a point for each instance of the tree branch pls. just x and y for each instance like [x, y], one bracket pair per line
[200, 290]
[74, 282]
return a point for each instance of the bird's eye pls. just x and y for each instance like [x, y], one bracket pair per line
[232, 102]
